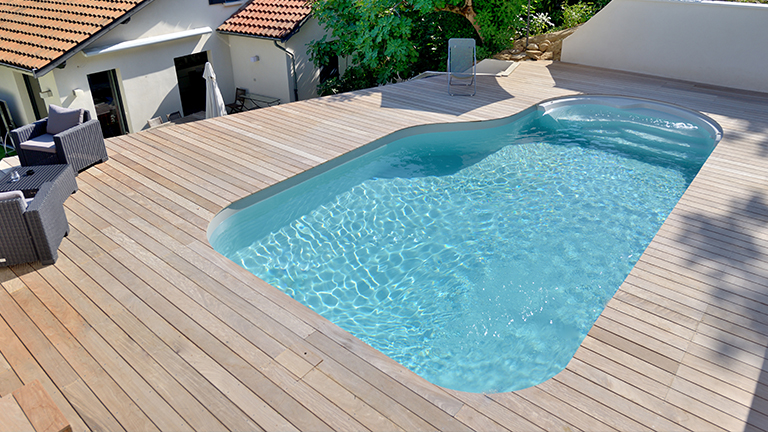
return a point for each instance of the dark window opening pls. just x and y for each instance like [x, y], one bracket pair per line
[331, 70]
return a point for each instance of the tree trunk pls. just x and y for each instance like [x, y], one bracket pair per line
[467, 11]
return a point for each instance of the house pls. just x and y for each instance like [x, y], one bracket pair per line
[128, 61]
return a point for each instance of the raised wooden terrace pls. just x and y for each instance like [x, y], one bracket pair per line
[142, 326]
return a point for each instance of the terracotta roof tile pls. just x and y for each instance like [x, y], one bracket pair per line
[34, 33]
[275, 19]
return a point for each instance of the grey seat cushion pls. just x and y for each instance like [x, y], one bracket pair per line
[61, 119]
[43, 143]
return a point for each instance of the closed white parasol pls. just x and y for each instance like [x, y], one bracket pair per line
[214, 103]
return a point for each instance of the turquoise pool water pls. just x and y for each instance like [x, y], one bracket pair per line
[478, 258]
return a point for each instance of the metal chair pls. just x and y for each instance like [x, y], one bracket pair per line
[462, 65]
[239, 104]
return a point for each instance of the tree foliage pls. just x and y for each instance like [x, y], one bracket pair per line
[387, 40]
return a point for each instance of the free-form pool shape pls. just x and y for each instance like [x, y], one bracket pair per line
[478, 255]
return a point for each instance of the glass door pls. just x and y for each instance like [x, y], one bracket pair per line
[33, 91]
[108, 103]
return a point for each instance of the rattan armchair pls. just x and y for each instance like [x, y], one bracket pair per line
[80, 146]
[32, 230]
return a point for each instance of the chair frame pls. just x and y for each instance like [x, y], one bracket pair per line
[239, 104]
[462, 43]
[80, 146]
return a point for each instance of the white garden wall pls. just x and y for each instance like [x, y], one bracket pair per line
[720, 43]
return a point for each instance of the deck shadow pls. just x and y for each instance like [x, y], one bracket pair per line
[431, 95]
[737, 287]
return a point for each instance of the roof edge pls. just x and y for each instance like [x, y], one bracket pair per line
[283, 39]
[37, 73]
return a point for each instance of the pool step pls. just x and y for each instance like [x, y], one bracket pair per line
[31, 409]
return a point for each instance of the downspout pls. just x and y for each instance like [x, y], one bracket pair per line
[293, 70]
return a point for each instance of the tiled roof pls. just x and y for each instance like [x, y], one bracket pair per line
[273, 19]
[34, 33]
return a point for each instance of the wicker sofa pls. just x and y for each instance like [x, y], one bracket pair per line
[32, 229]
[81, 145]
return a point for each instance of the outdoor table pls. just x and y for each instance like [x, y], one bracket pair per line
[32, 178]
[261, 101]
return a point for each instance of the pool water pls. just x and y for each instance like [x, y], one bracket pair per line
[479, 259]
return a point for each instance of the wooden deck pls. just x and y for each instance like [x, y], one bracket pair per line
[141, 326]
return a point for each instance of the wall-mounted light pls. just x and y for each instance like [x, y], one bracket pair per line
[254, 59]
[46, 94]
[77, 92]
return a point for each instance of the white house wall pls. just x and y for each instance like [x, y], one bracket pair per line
[269, 76]
[147, 74]
[11, 88]
[308, 74]
[721, 43]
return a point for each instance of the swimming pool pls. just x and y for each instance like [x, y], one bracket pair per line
[478, 255]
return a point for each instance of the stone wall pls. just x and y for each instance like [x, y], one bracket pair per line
[540, 47]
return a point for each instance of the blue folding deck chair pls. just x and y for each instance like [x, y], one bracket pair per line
[462, 65]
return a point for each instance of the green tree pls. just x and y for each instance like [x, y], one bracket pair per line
[386, 40]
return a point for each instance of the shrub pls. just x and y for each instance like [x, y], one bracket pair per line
[576, 14]
[540, 23]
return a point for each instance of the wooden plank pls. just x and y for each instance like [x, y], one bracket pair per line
[478, 421]
[373, 396]
[36, 358]
[622, 338]
[9, 381]
[199, 376]
[481, 412]
[27, 368]
[433, 414]
[40, 409]
[242, 395]
[654, 411]
[12, 417]
[538, 416]
[123, 345]
[119, 386]
[347, 401]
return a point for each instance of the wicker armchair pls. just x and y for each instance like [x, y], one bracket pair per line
[32, 230]
[80, 146]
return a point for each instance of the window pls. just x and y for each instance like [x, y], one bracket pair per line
[331, 70]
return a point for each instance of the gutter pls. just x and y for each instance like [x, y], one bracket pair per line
[59, 62]
[19, 68]
[293, 70]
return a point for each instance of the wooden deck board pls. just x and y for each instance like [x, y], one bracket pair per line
[141, 325]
